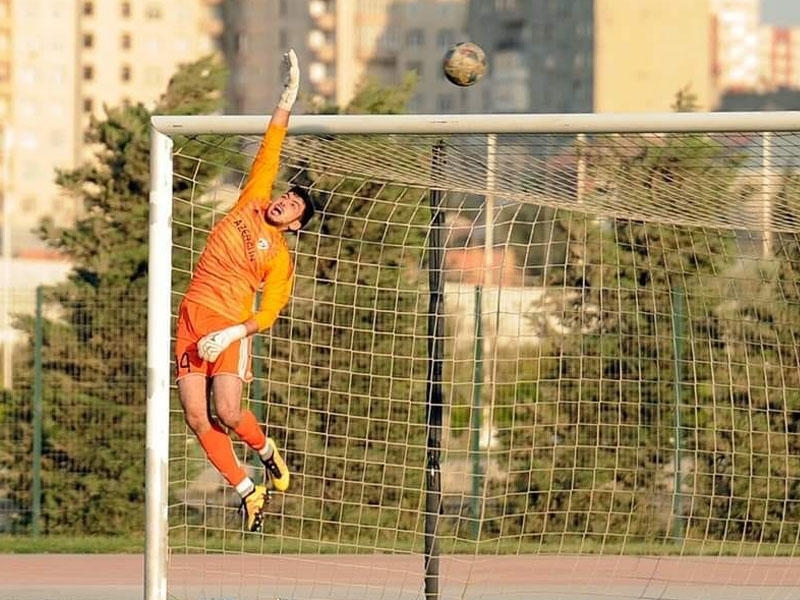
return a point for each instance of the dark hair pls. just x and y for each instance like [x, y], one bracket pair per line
[308, 204]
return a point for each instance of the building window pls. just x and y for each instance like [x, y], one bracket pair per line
[125, 9]
[88, 72]
[415, 38]
[153, 11]
[88, 9]
[125, 73]
[283, 8]
[88, 105]
[445, 38]
[125, 41]
[88, 40]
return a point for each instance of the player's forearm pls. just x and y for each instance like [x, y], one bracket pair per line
[251, 326]
[280, 117]
[275, 295]
[271, 307]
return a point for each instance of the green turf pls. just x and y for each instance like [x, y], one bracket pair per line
[256, 543]
[70, 545]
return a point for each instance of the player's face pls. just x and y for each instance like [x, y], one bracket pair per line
[284, 212]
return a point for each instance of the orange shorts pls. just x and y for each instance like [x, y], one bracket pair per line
[195, 321]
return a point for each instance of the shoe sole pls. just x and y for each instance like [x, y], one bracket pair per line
[258, 521]
[258, 518]
[276, 482]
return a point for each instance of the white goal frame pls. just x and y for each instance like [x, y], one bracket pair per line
[159, 374]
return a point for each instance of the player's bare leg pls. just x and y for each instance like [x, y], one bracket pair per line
[215, 441]
[227, 396]
[227, 390]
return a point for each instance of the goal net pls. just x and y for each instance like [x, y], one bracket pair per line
[525, 357]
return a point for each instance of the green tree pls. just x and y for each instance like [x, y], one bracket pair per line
[94, 352]
[600, 452]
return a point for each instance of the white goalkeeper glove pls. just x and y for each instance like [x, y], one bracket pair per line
[291, 80]
[211, 346]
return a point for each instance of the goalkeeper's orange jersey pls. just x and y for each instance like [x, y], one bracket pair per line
[244, 253]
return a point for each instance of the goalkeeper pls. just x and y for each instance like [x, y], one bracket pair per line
[246, 251]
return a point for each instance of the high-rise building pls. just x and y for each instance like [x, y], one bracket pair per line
[594, 55]
[342, 43]
[646, 53]
[780, 58]
[61, 62]
[735, 44]
[544, 55]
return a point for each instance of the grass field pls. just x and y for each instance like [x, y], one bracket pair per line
[10, 544]
[135, 544]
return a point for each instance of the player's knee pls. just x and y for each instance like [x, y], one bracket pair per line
[198, 423]
[230, 416]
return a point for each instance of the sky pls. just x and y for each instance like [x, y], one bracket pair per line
[780, 12]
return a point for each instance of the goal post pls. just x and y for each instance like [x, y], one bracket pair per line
[562, 345]
[159, 332]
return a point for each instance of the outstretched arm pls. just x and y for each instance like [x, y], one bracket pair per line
[258, 186]
[265, 166]
[274, 296]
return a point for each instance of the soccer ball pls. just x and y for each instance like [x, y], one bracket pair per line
[464, 64]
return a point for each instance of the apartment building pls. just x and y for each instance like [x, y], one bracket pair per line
[594, 55]
[61, 61]
[735, 44]
[780, 58]
[544, 55]
[341, 43]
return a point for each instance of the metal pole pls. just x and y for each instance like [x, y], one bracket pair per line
[488, 248]
[678, 319]
[433, 487]
[475, 425]
[490, 274]
[480, 375]
[36, 483]
[487, 123]
[5, 324]
[159, 286]
[766, 194]
[580, 179]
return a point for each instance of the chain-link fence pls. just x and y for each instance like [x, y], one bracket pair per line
[72, 413]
